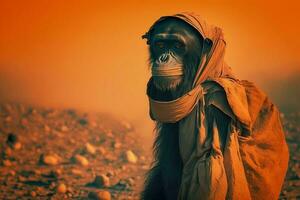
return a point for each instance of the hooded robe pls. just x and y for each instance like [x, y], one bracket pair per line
[245, 159]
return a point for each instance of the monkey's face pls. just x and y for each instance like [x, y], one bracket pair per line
[174, 46]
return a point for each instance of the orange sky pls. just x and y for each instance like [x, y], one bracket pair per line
[89, 54]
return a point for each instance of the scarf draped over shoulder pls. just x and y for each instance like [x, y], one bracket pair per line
[232, 160]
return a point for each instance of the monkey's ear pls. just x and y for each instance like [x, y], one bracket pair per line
[146, 36]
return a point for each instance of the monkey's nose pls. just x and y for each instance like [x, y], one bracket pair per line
[164, 58]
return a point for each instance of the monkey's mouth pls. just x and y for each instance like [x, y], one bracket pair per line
[167, 82]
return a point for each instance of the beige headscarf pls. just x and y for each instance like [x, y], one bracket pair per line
[212, 65]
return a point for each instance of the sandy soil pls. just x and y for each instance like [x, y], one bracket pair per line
[66, 154]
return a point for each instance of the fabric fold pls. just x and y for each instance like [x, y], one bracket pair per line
[230, 134]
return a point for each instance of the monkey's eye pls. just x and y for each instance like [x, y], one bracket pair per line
[159, 45]
[178, 45]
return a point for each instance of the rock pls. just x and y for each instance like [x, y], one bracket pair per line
[11, 139]
[131, 181]
[24, 122]
[142, 158]
[47, 128]
[101, 181]
[21, 178]
[8, 119]
[131, 157]
[101, 150]
[64, 128]
[37, 172]
[81, 160]
[122, 185]
[17, 146]
[83, 121]
[101, 195]
[90, 148]
[33, 193]
[110, 173]
[51, 159]
[52, 185]
[7, 152]
[117, 145]
[6, 163]
[61, 188]
[77, 172]
[55, 173]
[12, 173]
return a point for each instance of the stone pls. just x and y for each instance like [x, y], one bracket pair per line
[90, 148]
[110, 173]
[17, 146]
[61, 188]
[131, 157]
[81, 160]
[11, 139]
[77, 172]
[102, 150]
[7, 163]
[12, 173]
[33, 193]
[101, 195]
[64, 128]
[117, 145]
[49, 159]
[101, 181]
[8, 152]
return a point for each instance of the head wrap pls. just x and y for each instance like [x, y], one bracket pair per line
[211, 65]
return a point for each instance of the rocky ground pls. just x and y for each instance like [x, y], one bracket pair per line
[291, 187]
[66, 154]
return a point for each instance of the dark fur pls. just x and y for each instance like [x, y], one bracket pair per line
[164, 178]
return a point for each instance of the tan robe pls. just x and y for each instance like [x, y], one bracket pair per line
[251, 162]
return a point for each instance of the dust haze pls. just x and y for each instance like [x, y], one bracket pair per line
[90, 56]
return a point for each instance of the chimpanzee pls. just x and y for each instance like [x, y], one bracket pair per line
[174, 43]
[214, 131]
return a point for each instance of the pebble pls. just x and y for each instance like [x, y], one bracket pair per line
[64, 128]
[56, 173]
[11, 139]
[117, 145]
[101, 195]
[7, 163]
[110, 173]
[33, 193]
[61, 188]
[101, 181]
[81, 160]
[8, 119]
[77, 172]
[49, 159]
[90, 148]
[47, 128]
[131, 157]
[12, 173]
[8, 152]
[131, 181]
[101, 150]
[17, 146]
[52, 185]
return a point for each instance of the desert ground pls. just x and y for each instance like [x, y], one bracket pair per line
[48, 153]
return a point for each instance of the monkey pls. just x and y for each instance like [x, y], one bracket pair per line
[172, 41]
[203, 113]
